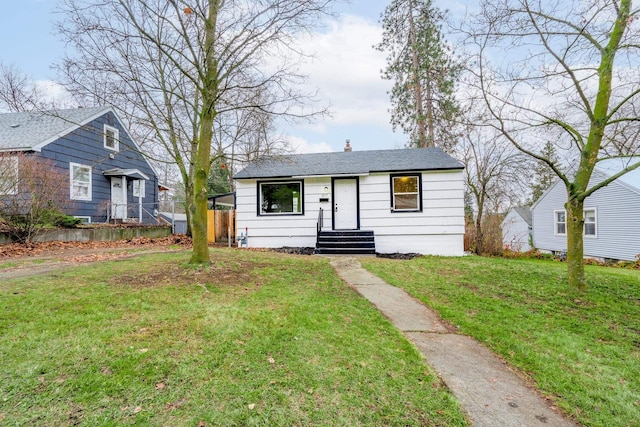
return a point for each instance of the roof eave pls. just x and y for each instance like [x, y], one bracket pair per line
[457, 168]
[71, 128]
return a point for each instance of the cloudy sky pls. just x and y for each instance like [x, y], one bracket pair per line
[345, 71]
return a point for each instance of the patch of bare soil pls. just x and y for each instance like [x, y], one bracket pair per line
[220, 274]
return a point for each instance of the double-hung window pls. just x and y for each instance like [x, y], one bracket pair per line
[280, 198]
[590, 222]
[80, 179]
[406, 191]
[590, 228]
[8, 175]
[111, 138]
[560, 222]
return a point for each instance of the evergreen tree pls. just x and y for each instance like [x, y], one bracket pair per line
[543, 175]
[423, 71]
[219, 177]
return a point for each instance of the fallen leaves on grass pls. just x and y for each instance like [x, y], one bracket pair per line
[12, 250]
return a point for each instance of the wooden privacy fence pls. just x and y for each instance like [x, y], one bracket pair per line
[221, 224]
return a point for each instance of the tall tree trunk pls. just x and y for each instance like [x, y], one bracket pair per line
[417, 84]
[479, 232]
[431, 139]
[575, 247]
[200, 254]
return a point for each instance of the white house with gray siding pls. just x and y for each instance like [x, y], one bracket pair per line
[106, 175]
[385, 201]
[612, 222]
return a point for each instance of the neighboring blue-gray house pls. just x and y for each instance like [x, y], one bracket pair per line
[385, 201]
[109, 178]
[516, 229]
[611, 219]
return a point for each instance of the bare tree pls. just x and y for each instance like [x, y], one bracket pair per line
[572, 76]
[33, 193]
[494, 176]
[17, 91]
[175, 66]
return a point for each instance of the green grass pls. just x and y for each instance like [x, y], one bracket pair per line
[9, 264]
[581, 348]
[257, 339]
[21, 263]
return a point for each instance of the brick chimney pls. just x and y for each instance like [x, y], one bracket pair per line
[347, 147]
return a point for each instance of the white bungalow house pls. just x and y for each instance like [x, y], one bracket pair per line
[516, 229]
[611, 220]
[385, 201]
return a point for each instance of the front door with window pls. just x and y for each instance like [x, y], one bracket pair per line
[118, 198]
[345, 204]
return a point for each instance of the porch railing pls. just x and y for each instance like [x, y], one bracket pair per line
[320, 224]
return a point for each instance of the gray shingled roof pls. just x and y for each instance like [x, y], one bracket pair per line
[32, 130]
[350, 163]
[525, 213]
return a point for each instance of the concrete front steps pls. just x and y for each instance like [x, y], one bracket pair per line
[346, 242]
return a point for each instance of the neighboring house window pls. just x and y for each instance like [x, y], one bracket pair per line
[80, 177]
[111, 138]
[560, 221]
[406, 193]
[590, 228]
[138, 188]
[8, 176]
[84, 219]
[284, 197]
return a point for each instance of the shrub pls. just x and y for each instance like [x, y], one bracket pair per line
[33, 193]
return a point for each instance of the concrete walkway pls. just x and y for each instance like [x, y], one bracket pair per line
[489, 392]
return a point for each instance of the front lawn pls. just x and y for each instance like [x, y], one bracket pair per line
[583, 349]
[257, 339]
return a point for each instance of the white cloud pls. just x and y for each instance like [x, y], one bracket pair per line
[54, 93]
[301, 146]
[346, 71]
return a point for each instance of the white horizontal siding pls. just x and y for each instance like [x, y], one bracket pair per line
[438, 229]
[438, 244]
[274, 231]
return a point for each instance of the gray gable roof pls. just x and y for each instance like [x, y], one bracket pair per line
[31, 130]
[525, 213]
[350, 163]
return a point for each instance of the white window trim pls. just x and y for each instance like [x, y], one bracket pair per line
[260, 200]
[555, 222]
[589, 236]
[12, 162]
[116, 138]
[139, 186]
[595, 223]
[87, 218]
[71, 181]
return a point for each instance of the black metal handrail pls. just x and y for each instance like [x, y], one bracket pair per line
[320, 223]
